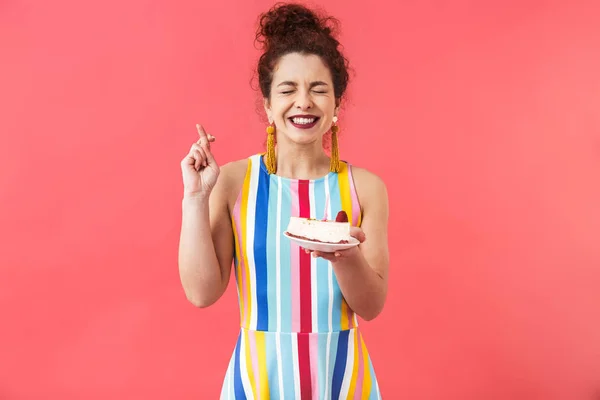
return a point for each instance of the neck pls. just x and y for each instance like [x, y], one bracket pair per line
[301, 161]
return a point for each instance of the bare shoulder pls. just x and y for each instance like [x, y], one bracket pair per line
[231, 179]
[234, 170]
[370, 188]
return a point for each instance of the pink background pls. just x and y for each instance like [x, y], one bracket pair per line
[482, 117]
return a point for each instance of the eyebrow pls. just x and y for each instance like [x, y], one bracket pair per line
[313, 84]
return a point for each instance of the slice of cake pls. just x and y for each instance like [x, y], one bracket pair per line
[337, 232]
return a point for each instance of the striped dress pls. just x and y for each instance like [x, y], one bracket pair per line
[298, 337]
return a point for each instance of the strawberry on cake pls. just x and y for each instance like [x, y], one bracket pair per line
[324, 231]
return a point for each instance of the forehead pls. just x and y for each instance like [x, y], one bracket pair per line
[301, 67]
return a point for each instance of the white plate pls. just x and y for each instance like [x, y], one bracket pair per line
[324, 247]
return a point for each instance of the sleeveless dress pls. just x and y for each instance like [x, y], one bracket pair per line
[298, 337]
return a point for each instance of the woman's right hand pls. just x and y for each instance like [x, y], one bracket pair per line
[199, 168]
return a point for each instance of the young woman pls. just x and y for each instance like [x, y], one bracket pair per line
[299, 334]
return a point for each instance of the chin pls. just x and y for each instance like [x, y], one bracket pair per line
[300, 136]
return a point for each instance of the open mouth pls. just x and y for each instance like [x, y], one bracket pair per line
[304, 122]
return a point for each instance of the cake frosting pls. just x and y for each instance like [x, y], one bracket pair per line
[324, 231]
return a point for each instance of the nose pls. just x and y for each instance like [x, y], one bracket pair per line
[303, 100]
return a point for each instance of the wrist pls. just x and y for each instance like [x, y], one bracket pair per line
[199, 199]
[350, 259]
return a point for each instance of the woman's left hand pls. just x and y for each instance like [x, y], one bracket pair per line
[342, 255]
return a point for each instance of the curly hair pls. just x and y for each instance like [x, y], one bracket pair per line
[289, 28]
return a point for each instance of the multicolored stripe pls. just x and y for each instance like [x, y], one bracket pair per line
[340, 367]
[304, 297]
[299, 338]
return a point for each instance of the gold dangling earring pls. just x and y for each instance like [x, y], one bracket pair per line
[335, 155]
[270, 158]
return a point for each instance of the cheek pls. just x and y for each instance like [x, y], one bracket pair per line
[327, 106]
[280, 110]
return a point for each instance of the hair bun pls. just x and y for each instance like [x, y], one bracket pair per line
[294, 28]
[285, 19]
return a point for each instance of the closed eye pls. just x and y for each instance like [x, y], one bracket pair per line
[314, 91]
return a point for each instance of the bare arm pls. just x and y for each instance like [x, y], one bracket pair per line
[206, 238]
[206, 245]
[362, 271]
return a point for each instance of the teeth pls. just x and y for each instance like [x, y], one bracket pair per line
[303, 121]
